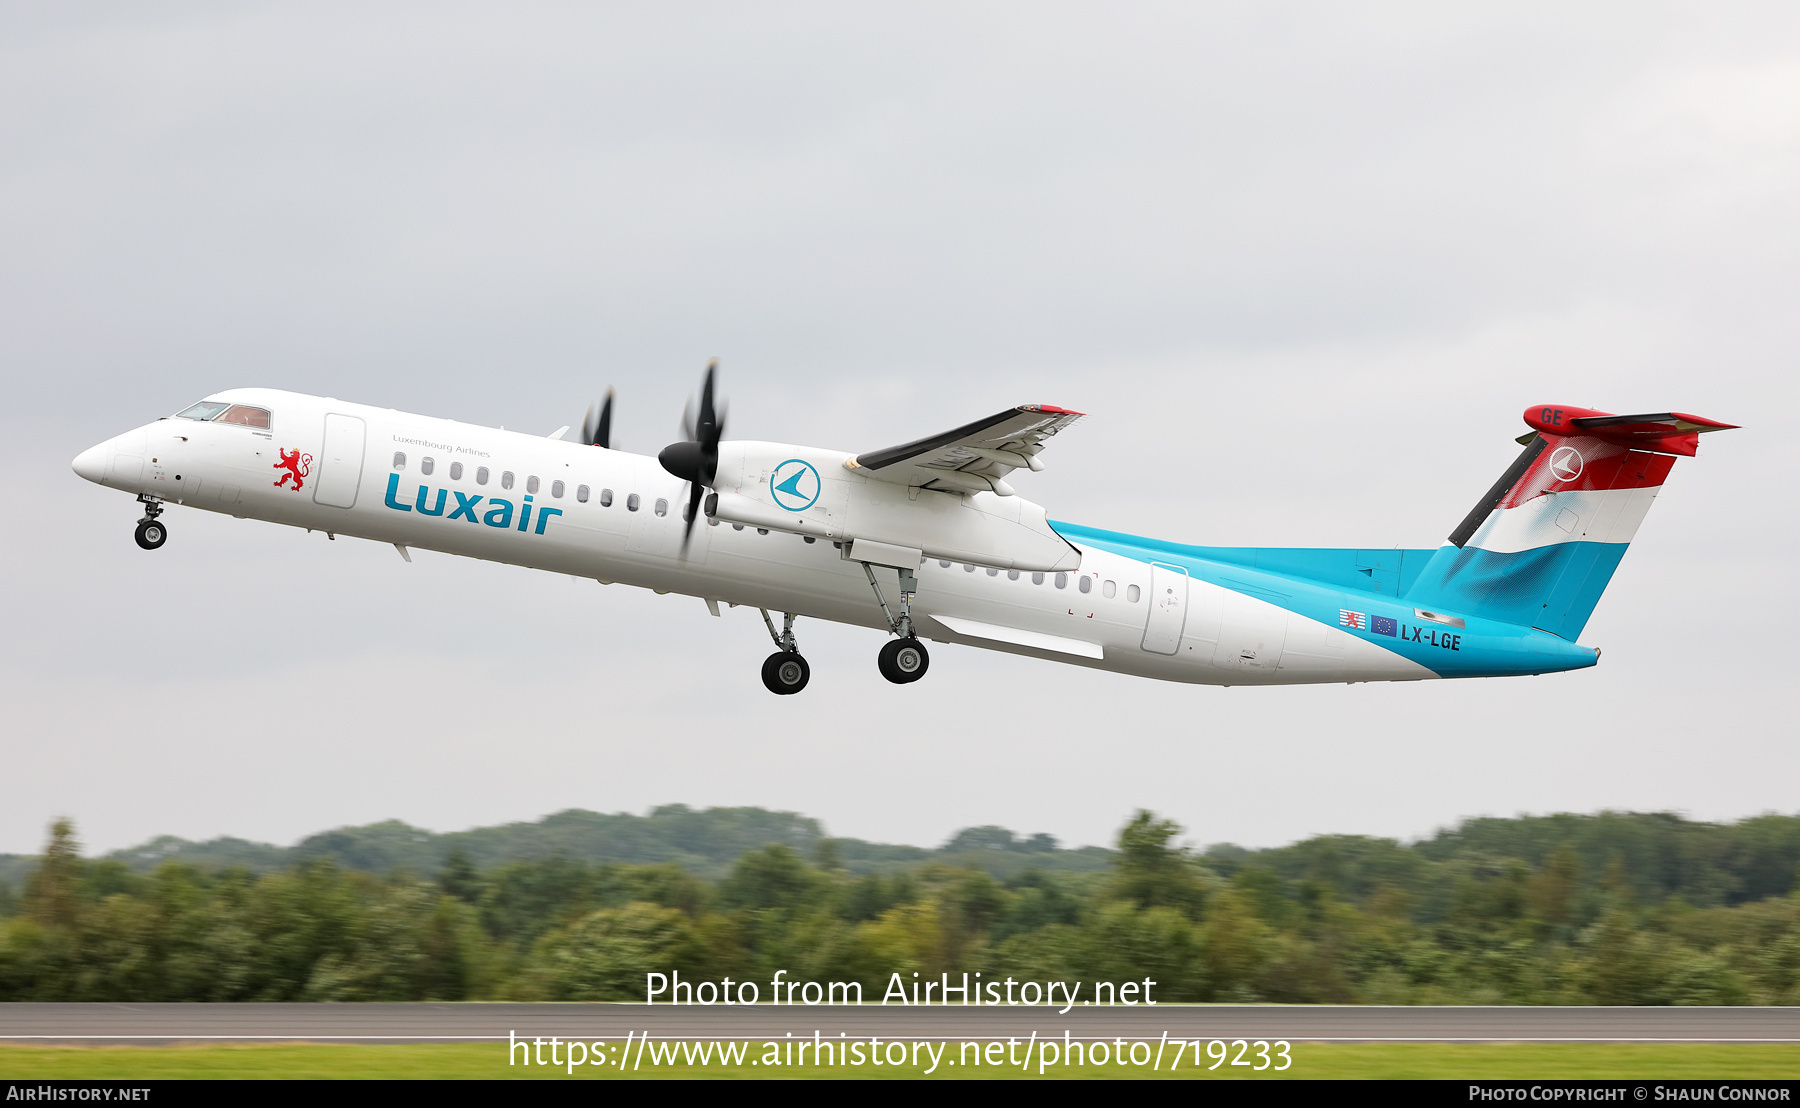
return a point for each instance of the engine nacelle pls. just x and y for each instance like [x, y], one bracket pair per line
[807, 491]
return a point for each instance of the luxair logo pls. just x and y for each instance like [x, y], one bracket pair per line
[795, 485]
[492, 511]
[1565, 464]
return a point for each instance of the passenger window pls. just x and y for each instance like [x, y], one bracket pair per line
[1087, 583]
[967, 568]
[737, 527]
[1012, 575]
[632, 502]
[1109, 590]
[662, 506]
[481, 475]
[426, 465]
[506, 479]
[606, 498]
[1037, 578]
[531, 485]
[1062, 580]
[399, 459]
[246, 417]
[943, 565]
[1131, 593]
[762, 530]
[556, 489]
[712, 521]
[581, 494]
[993, 573]
[455, 471]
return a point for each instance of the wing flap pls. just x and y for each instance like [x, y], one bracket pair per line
[976, 457]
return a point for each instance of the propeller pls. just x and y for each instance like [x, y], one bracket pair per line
[696, 460]
[598, 432]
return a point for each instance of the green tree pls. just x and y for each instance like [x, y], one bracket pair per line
[608, 954]
[1150, 872]
[51, 893]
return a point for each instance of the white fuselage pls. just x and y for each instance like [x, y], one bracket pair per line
[370, 481]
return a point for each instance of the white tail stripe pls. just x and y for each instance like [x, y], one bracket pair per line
[1611, 515]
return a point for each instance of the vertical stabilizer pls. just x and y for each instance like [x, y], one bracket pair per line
[1541, 546]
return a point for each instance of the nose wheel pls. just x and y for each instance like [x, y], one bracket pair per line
[150, 532]
[903, 661]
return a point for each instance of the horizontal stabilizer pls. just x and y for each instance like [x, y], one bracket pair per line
[1661, 432]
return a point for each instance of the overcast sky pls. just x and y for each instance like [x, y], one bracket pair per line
[1304, 264]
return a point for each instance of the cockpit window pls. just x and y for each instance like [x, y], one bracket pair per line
[219, 412]
[249, 417]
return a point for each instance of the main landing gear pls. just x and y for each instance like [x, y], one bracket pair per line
[150, 532]
[784, 672]
[904, 660]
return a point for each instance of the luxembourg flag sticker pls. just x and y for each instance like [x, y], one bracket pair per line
[1356, 621]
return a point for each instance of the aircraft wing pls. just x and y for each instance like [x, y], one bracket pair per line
[975, 457]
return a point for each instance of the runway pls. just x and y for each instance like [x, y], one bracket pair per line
[122, 1024]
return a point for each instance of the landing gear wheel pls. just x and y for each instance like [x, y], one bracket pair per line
[151, 534]
[785, 673]
[904, 661]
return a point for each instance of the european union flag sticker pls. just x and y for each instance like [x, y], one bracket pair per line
[1382, 625]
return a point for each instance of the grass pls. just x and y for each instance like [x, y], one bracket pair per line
[1634, 1061]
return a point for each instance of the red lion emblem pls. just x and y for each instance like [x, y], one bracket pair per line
[298, 465]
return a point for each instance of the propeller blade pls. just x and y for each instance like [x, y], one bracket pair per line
[598, 431]
[693, 513]
[696, 458]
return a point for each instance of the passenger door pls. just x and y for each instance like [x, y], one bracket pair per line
[1168, 608]
[340, 462]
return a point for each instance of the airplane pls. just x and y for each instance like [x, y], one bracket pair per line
[928, 541]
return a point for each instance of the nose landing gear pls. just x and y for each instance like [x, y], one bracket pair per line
[150, 532]
[784, 672]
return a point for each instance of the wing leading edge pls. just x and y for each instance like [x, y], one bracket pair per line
[976, 457]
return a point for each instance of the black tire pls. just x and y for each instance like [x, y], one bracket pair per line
[903, 661]
[785, 673]
[151, 533]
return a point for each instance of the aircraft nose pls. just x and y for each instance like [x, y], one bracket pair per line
[91, 463]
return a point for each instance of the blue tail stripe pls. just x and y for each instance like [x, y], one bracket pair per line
[1552, 588]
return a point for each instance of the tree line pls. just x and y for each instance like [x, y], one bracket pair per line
[1591, 910]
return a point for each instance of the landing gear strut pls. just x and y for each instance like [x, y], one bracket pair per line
[784, 672]
[150, 532]
[904, 660]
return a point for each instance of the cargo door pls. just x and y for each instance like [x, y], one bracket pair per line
[1168, 608]
[340, 462]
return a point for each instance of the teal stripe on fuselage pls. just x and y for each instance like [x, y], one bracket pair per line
[1485, 647]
